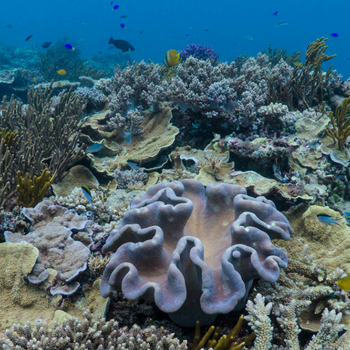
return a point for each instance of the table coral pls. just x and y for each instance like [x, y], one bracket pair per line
[160, 244]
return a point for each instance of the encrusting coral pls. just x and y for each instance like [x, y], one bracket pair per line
[89, 334]
[161, 241]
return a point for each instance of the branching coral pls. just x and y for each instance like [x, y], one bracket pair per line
[160, 245]
[327, 337]
[88, 334]
[47, 136]
[308, 83]
[225, 342]
[341, 124]
[31, 192]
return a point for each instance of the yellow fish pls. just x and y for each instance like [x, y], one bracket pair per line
[297, 64]
[34, 79]
[344, 283]
[172, 58]
[59, 84]
[61, 72]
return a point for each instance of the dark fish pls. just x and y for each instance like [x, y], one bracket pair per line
[121, 44]
[94, 148]
[206, 30]
[28, 37]
[283, 24]
[46, 44]
[334, 35]
[123, 16]
[100, 52]
[276, 13]
[9, 26]
[87, 193]
[141, 32]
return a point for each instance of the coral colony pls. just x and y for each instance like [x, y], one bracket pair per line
[153, 206]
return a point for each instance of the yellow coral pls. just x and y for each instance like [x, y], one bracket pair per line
[225, 342]
[31, 192]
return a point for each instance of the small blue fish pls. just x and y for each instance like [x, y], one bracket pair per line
[87, 193]
[111, 3]
[248, 38]
[283, 24]
[132, 164]
[326, 219]
[95, 148]
[276, 13]
[122, 26]
[69, 47]
[334, 35]
[125, 135]
[116, 7]
[187, 34]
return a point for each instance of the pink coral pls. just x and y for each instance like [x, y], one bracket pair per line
[195, 250]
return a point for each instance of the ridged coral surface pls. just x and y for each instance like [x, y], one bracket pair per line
[195, 250]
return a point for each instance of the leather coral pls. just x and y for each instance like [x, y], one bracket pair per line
[195, 250]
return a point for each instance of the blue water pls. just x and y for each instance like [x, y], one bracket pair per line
[174, 24]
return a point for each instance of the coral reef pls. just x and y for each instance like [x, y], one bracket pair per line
[51, 233]
[173, 225]
[327, 337]
[47, 137]
[58, 57]
[22, 301]
[201, 52]
[91, 333]
[31, 192]
[341, 126]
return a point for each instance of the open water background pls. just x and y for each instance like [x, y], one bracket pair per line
[174, 24]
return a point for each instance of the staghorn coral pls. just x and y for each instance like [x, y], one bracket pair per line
[259, 320]
[174, 224]
[327, 337]
[88, 334]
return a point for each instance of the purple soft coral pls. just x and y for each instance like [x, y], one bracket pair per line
[195, 250]
[201, 52]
